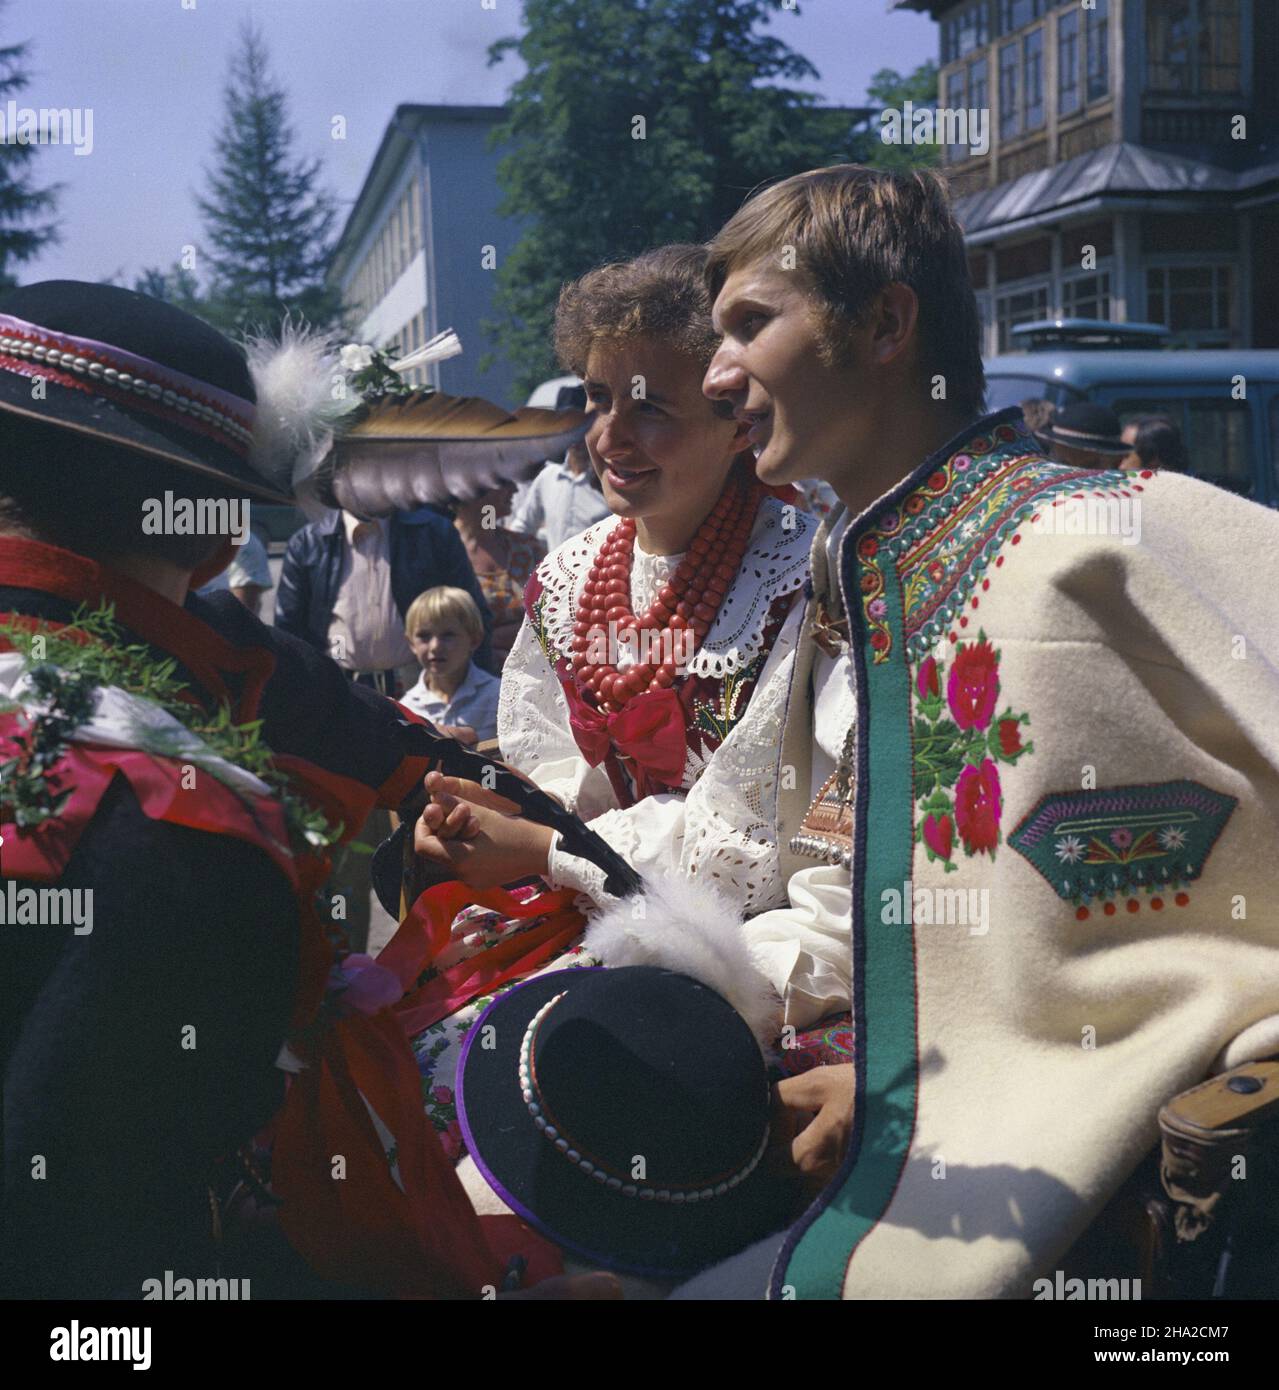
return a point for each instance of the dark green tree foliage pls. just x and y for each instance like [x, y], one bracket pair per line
[268, 223]
[890, 90]
[177, 286]
[23, 206]
[718, 121]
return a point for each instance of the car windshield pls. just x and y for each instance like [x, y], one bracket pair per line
[1216, 434]
[1003, 391]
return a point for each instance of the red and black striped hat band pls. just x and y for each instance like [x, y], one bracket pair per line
[101, 369]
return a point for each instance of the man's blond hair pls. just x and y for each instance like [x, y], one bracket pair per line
[445, 605]
[853, 231]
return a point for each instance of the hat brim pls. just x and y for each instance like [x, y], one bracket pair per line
[652, 1239]
[1092, 444]
[96, 417]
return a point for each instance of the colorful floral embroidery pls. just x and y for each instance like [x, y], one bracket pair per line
[959, 743]
[946, 533]
[540, 629]
[1111, 844]
[719, 719]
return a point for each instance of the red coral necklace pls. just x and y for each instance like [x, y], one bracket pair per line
[688, 601]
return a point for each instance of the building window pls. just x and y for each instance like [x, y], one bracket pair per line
[1086, 296]
[1068, 63]
[1097, 33]
[1009, 105]
[1016, 14]
[1194, 301]
[978, 85]
[965, 30]
[1032, 53]
[1020, 306]
[1193, 47]
[955, 101]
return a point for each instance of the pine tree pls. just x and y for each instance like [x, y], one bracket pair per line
[177, 286]
[23, 233]
[267, 219]
[640, 122]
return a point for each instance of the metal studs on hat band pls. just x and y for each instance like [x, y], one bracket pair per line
[674, 1196]
[125, 381]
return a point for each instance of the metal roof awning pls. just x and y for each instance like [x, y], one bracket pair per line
[1124, 174]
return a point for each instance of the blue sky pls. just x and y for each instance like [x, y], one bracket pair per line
[151, 72]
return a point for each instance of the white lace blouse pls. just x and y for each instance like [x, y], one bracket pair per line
[723, 825]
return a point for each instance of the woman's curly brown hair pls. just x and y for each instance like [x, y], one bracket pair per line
[660, 294]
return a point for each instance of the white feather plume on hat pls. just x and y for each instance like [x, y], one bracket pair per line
[685, 925]
[302, 401]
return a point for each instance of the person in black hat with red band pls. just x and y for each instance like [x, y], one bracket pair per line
[139, 1045]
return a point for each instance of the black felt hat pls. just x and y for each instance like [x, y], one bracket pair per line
[135, 372]
[625, 1114]
[1086, 425]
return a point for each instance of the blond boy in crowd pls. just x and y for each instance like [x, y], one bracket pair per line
[445, 630]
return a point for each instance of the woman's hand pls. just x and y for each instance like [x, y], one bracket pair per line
[814, 1111]
[477, 844]
[462, 732]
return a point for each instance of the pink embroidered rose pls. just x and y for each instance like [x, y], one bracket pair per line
[978, 802]
[443, 1095]
[926, 678]
[939, 835]
[973, 686]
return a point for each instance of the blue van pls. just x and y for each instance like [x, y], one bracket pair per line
[1225, 402]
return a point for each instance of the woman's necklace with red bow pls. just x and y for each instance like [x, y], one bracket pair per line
[688, 602]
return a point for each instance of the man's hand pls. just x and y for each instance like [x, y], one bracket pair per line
[815, 1112]
[477, 844]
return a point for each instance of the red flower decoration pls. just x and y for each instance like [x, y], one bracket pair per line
[867, 547]
[978, 802]
[973, 687]
[879, 640]
[939, 835]
[1010, 737]
[937, 481]
[926, 679]
[914, 504]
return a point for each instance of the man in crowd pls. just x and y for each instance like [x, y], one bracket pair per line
[1012, 674]
[248, 576]
[348, 582]
[565, 497]
[346, 588]
[1083, 434]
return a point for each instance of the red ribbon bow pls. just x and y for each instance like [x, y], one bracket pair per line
[649, 731]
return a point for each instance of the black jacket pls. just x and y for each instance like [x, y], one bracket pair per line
[189, 928]
[426, 551]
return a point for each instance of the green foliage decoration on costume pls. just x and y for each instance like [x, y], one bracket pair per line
[67, 677]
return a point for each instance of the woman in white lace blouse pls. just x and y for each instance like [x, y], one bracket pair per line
[648, 686]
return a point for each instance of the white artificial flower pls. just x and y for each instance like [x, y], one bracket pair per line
[354, 357]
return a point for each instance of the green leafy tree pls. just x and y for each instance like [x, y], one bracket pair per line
[267, 219]
[640, 122]
[24, 208]
[177, 286]
[891, 90]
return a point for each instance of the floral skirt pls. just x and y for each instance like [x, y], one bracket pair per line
[438, 1048]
